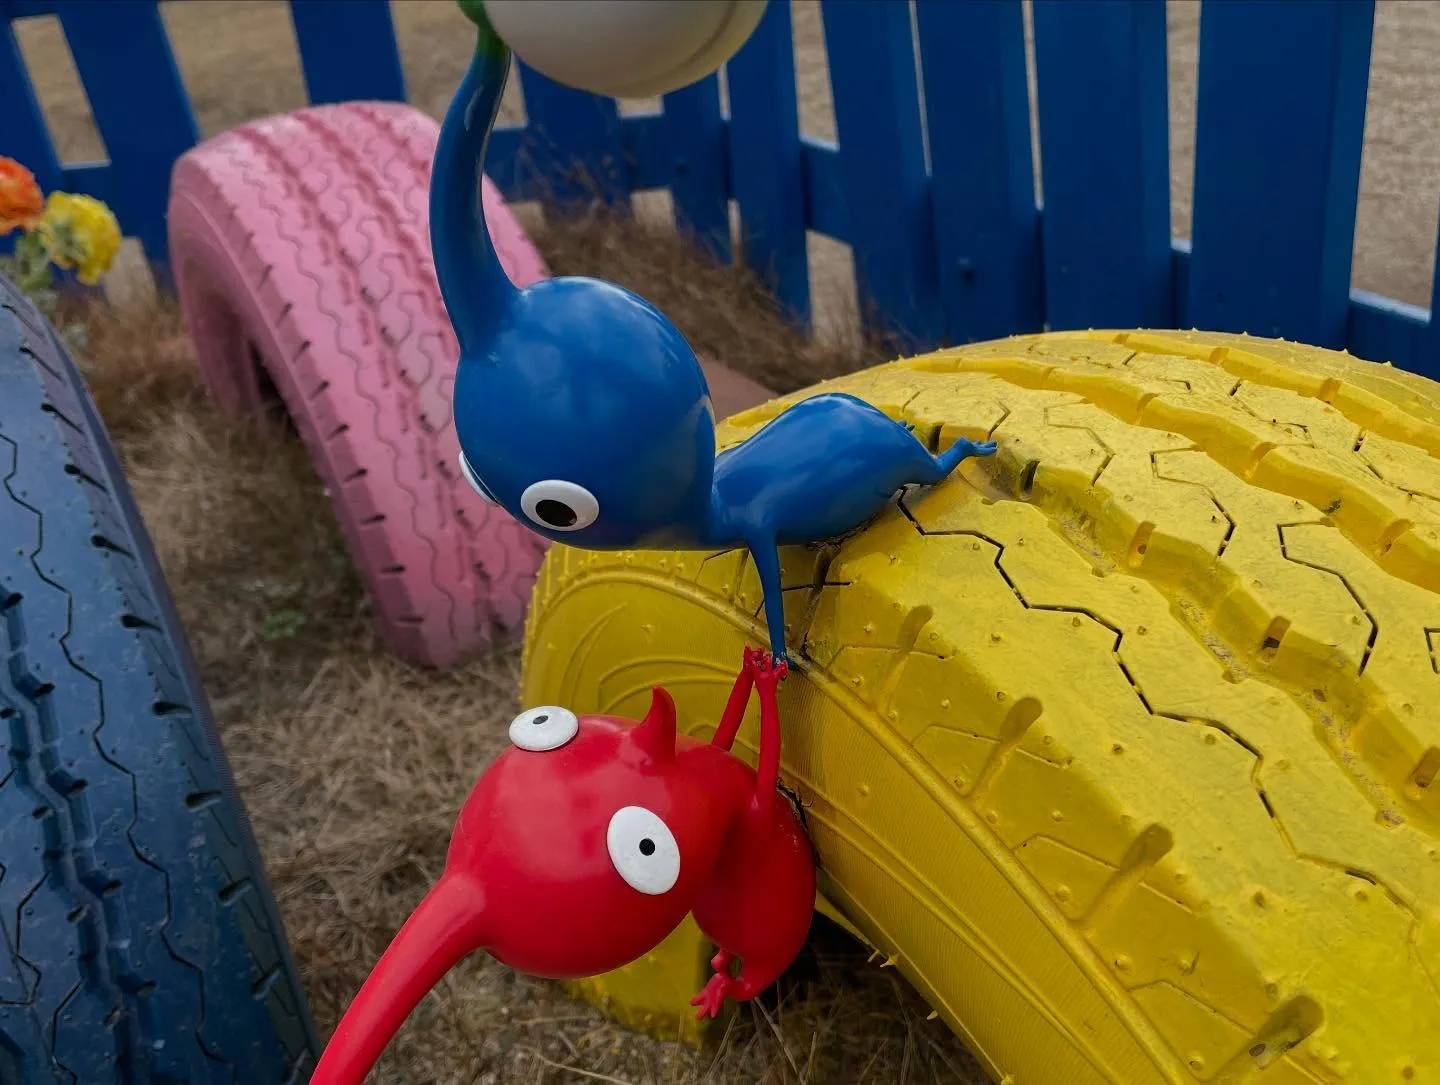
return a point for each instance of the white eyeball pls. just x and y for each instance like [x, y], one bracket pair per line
[542, 729]
[560, 505]
[474, 480]
[625, 48]
[644, 851]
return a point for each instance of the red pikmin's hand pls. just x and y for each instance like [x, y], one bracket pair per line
[767, 675]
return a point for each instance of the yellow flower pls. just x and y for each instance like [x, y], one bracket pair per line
[79, 232]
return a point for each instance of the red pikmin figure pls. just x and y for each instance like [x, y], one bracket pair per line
[586, 843]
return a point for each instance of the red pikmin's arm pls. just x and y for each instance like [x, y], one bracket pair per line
[759, 907]
[734, 714]
[767, 676]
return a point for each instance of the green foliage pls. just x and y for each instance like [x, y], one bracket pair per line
[29, 268]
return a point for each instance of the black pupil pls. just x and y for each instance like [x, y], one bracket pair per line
[538, 720]
[555, 513]
[647, 846]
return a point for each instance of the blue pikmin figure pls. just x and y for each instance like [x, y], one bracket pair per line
[583, 412]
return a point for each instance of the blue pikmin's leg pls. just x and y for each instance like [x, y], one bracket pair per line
[951, 458]
[767, 564]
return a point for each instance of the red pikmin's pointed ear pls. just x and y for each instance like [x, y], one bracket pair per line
[656, 733]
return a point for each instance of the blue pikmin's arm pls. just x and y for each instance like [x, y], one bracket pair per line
[726, 528]
[473, 283]
[767, 564]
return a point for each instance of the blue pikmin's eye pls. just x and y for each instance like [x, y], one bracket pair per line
[474, 480]
[559, 505]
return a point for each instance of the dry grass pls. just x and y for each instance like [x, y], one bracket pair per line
[353, 764]
[723, 310]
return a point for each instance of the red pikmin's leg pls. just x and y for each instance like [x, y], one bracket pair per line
[734, 714]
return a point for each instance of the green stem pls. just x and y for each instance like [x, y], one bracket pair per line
[32, 264]
[487, 42]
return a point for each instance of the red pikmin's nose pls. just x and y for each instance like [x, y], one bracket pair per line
[532, 875]
[446, 927]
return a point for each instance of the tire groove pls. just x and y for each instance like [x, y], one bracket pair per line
[1414, 431]
[469, 559]
[419, 272]
[1418, 565]
[1191, 605]
[490, 526]
[83, 552]
[1223, 581]
[363, 316]
[76, 865]
[1119, 662]
[1345, 582]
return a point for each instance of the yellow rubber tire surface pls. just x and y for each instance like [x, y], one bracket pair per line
[1119, 743]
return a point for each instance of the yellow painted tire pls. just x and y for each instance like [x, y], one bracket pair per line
[1121, 743]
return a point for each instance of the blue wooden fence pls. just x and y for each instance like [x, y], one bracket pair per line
[949, 246]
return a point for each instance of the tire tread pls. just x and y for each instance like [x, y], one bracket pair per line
[125, 964]
[311, 230]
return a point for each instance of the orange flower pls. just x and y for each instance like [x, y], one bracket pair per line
[20, 200]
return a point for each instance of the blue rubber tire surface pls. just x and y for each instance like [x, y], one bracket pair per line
[142, 943]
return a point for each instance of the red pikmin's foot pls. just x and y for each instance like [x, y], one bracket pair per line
[718, 989]
[712, 998]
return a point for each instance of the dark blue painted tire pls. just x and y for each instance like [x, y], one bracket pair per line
[142, 943]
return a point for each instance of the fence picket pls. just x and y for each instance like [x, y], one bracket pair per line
[956, 251]
[1277, 165]
[1104, 163]
[767, 167]
[140, 106]
[23, 135]
[1428, 359]
[882, 166]
[977, 112]
[695, 132]
[347, 50]
[573, 141]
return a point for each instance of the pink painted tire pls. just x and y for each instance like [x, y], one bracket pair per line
[301, 252]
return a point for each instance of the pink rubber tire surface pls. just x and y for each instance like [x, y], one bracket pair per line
[300, 245]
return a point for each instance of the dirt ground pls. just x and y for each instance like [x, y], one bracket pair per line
[353, 764]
